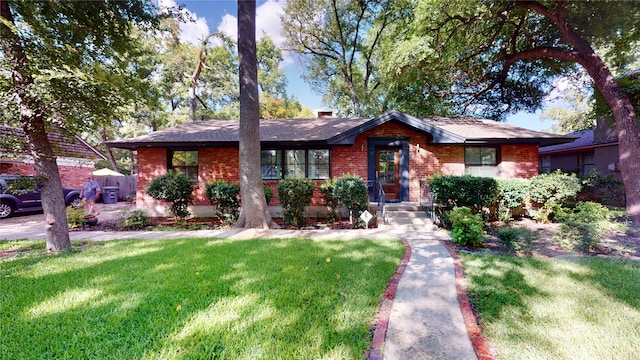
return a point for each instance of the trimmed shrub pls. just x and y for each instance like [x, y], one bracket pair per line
[352, 193]
[469, 191]
[326, 189]
[548, 191]
[584, 225]
[511, 198]
[134, 220]
[225, 195]
[467, 227]
[294, 195]
[75, 217]
[516, 239]
[174, 188]
[603, 189]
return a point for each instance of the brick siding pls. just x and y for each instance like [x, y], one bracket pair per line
[425, 160]
[71, 176]
[519, 161]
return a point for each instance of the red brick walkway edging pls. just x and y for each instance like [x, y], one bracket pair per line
[382, 321]
[470, 321]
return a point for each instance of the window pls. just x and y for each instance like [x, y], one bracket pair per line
[545, 164]
[295, 163]
[318, 161]
[480, 156]
[588, 163]
[271, 164]
[312, 163]
[184, 162]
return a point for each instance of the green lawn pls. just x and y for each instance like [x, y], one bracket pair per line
[195, 299]
[557, 309]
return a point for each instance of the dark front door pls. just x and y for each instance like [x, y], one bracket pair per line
[387, 172]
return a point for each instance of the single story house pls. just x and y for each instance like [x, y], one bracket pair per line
[75, 157]
[396, 149]
[592, 150]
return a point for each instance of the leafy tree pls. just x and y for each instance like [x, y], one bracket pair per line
[575, 111]
[66, 63]
[339, 41]
[253, 211]
[502, 56]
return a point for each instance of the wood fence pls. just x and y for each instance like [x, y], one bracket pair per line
[126, 184]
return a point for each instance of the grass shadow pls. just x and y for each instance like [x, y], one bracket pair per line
[196, 298]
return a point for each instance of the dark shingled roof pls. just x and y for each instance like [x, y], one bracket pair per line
[64, 144]
[584, 139]
[328, 131]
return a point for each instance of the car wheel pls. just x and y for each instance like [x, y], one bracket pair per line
[6, 210]
[76, 202]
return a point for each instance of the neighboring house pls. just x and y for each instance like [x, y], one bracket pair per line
[593, 150]
[396, 149]
[75, 158]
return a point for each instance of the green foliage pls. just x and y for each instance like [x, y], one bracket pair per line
[347, 30]
[351, 192]
[605, 189]
[511, 198]
[452, 191]
[556, 186]
[326, 189]
[467, 227]
[516, 239]
[630, 85]
[75, 217]
[268, 194]
[134, 220]
[584, 225]
[226, 196]
[174, 188]
[470, 191]
[548, 191]
[294, 195]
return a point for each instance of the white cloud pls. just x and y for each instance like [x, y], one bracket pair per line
[190, 31]
[267, 22]
[229, 26]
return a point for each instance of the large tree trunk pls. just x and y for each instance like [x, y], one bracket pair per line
[253, 211]
[112, 159]
[625, 118]
[628, 133]
[623, 113]
[56, 225]
[31, 117]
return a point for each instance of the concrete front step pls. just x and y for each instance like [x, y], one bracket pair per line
[410, 218]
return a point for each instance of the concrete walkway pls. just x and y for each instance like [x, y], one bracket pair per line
[425, 320]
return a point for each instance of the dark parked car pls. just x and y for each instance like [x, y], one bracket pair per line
[21, 193]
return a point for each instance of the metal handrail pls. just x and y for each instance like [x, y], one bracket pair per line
[426, 199]
[377, 185]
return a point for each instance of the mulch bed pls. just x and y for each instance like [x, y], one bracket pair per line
[618, 244]
[209, 223]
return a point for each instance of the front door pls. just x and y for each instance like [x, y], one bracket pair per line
[387, 172]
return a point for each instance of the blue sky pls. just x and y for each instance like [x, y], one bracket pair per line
[220, 15]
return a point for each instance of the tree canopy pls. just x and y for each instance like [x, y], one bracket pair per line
[502, 57]
[339, 42]
[69, 63]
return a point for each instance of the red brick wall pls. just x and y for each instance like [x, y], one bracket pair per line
[71, 176]
[519, 161]
[152, 162]
[424, 160]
